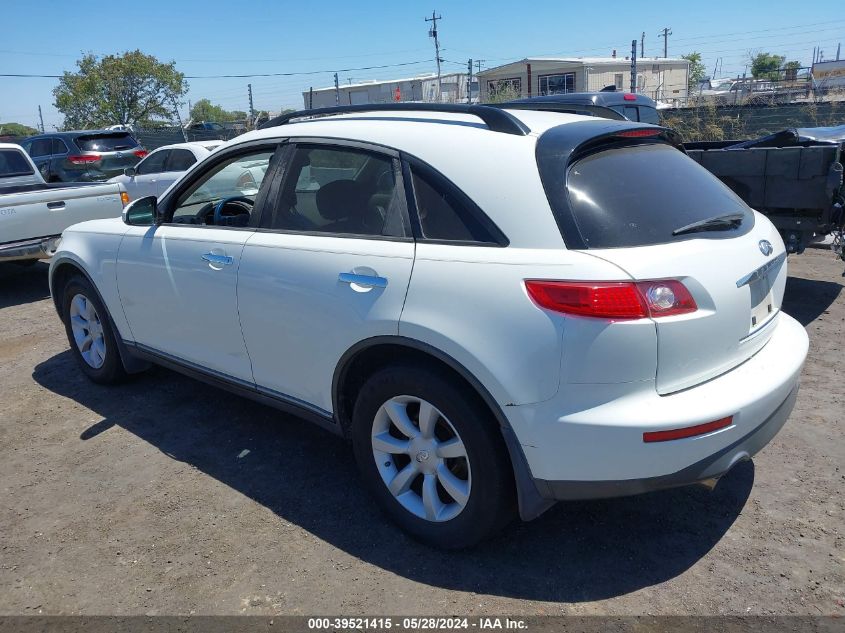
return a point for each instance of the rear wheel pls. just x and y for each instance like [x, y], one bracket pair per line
[432, 456]
[90, 334]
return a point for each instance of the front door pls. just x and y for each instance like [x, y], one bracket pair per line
[178, 281]
[330, 267]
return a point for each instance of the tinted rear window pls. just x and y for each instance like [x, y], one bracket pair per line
[106, 142]
[12, 163]
[640, 194]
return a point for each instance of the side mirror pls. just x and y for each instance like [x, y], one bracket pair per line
[129, 171]
[141, 212]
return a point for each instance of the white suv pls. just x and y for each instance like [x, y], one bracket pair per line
[500, 308]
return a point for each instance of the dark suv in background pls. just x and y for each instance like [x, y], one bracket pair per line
[608, 104]
[85, 155]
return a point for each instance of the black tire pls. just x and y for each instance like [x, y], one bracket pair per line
[492, 500]
[111, 371]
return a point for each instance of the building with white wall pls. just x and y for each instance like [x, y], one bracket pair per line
[423, 88]
[664, 79]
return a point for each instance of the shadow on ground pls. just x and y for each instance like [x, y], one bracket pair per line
[578, 551]
[807, 299]
[23, 284]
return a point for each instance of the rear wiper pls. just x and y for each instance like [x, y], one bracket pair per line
[719, 222]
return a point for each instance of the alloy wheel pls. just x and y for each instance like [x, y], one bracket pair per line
[87, 331]
[421, 458]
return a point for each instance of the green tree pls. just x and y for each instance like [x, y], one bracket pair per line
[766, 65]
[17, 129]
[132, 88]
[696, 69]
[204, 110]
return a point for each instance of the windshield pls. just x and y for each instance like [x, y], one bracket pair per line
[639, 194]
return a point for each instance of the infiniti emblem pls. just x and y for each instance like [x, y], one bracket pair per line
[765, 247]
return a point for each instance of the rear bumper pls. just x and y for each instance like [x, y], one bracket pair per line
[712, 467]
[587, 441]
[38, 248]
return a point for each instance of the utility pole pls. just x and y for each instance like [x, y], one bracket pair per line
[665, 35]
[336, 90]
[251, 107]
[634, 66]
[41, 118]
[432, 32]
[469, 80]
[311, 97]
[642, 45]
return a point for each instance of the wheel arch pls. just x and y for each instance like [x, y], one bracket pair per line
[61, 271]
[366, 356]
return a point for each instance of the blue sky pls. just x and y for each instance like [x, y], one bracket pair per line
[208, 37]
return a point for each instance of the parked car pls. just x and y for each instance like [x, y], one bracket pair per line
[162, 167]
[33, 213]
[500, 308]
[83, 156]
[607, 104]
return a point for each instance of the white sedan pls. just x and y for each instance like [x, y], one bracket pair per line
[162, 167]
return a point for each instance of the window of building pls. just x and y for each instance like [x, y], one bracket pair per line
[504, 87]
[557, 84]
[618, 80]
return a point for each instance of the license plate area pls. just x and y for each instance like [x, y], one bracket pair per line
[762, 302]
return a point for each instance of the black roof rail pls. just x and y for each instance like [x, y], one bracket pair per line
[585, 109]
[496, 119]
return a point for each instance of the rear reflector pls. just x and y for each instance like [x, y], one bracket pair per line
[640, 133]
[690, 431]
[613, 299]
[140, 153]
[84, 159]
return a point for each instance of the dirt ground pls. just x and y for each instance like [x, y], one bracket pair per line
[166, 496]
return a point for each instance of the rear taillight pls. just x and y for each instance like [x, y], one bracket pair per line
[613, 300]
[688, 431]
[85, 159]
[140, 153]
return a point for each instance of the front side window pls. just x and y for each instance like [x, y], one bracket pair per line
[152, 164]
[234, 183]
[340, 190]
[557, 84]
[41, 147]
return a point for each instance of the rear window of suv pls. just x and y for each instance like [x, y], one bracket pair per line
[638, 195]
[12, 163]
[106, 142]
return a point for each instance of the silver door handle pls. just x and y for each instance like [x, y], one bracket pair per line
[221, 260]
[367, 281]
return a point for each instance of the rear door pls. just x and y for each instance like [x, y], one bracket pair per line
[629, 205]
[329, 267]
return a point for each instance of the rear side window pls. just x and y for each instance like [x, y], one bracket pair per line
[115, 142]
[180, 160]
[59, 146]
[12, 163]
[445, 213]
[638, 195]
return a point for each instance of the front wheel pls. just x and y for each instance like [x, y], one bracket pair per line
[432, 456]
[90, 334]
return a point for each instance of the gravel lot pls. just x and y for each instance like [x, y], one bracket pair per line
[165, 496]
